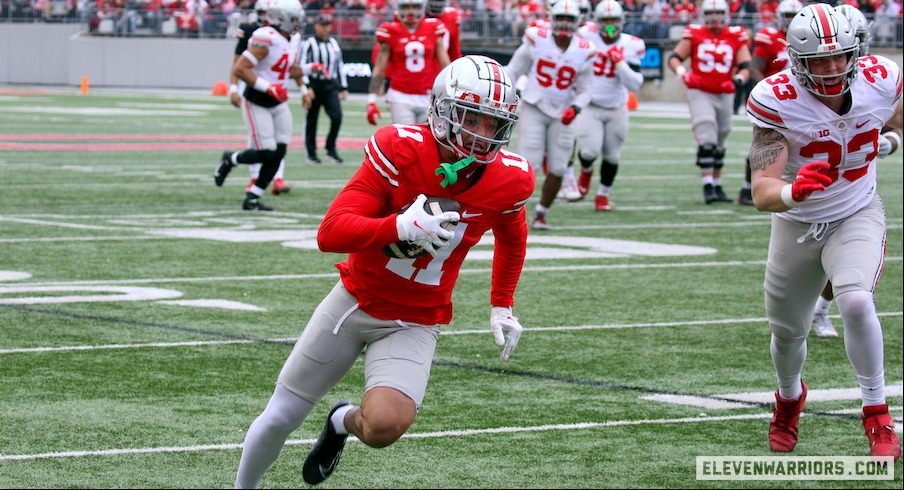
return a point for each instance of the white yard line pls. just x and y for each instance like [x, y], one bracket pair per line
[476, 331]
[422, 435]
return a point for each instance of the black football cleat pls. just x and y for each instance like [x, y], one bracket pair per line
[255, 205]
[720, 194]
[223, 168]
[709, 194]
[324, 456]
[334, 157]
[745, 198]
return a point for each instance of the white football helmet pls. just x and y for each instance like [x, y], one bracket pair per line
[260, 8]
[786, 11]
[609, 13]
[286, 15]
[585, 8]
[473, 97]
[435, 8]
[420, 4]
[816, 31]
[565, 17]
[860, 24]
[715, 13]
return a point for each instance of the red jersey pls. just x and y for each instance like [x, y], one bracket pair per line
[452, 20]
[713, 56]
[400, 163]
[769, 44]
[412, 54]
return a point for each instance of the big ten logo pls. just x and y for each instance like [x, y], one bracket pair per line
[822, 133]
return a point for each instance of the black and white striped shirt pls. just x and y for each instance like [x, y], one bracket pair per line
[327, 53]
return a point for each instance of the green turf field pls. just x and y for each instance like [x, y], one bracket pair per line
[144, 317]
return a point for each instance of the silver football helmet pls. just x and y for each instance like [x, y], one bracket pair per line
[286, 15]
[406, 4]
[714, 12]
[565, 17]
[820, 31]
[786, 11]
[860, 24]
[611, 18]
[435, 8]
[473, 107]
[260, 8]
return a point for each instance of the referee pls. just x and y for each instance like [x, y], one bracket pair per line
[328, 89]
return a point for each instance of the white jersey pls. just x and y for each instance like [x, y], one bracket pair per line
[282, 53]
[556, 79]
[611, 84]
[848, 142]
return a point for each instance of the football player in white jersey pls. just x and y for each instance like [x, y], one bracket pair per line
[603, 126]
[237, 87]
[265, 67]
[818, 128]
[559, 70]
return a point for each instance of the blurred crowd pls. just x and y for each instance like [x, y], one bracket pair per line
[501, 20]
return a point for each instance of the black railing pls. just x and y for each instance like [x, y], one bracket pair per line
[478, 28]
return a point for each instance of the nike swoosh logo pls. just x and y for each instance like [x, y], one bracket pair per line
[466, 215]
[861, 124]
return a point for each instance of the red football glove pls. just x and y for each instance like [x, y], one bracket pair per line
[319, 69]
[373, 113]
[812, 177]
[617, 54]
[727, 87]
[278, 92]
[692, 80]
[569, 115]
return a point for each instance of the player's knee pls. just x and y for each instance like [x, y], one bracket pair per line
[705, 156]
[855, 306]
[382, 432]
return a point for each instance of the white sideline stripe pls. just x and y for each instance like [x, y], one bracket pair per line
[585, 267]
[422, 435]
[745, 400]
[446, 332]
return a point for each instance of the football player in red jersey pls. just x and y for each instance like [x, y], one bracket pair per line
[413, 47]
[395, 307]
[817, 131]
[720, 57]
[450, 17]
[769, 58]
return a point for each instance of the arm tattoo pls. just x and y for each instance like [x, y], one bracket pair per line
[768, 145]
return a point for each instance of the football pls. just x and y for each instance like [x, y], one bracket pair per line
[404, 249]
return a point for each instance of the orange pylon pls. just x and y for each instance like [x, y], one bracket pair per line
[632, 101]
[220, 88]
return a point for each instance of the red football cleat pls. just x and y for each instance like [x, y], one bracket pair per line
[783, 427]
[602, 203]
[880, 430]
[584, 181]
[280, 187]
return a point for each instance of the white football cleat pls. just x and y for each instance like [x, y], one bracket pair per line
[822, 326]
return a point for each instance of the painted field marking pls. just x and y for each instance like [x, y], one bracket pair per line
[422, 435]
[747, 400]
[475, 331]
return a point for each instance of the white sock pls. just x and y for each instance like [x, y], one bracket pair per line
[267, 435]
[255, 170]
[717, 181]
[707, 179]
[863, 343]
[338, 419]
[603, 190]
[541, 210]
[281, 170]
[788, 357]
[822, 306]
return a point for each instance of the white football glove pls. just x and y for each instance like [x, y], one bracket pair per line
[504, 326]
[885, 143]
[422, 228]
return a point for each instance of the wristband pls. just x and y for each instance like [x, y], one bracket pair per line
[680, 71]
[261, 85]
[894, 137]
[233, 89]
[371, 98]
[786, 197]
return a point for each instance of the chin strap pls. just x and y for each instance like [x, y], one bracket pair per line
[449, 171]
